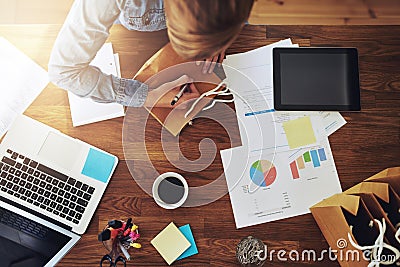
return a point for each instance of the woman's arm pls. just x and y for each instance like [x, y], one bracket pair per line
[82, 35]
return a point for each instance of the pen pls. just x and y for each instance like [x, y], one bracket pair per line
[176, 98]
[127, 224]
[127, 231]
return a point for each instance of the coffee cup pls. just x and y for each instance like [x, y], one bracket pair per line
[170, 190]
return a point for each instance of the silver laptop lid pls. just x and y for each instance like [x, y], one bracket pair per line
[67, 177]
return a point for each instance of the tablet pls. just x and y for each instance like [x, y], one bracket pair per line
[316, 78]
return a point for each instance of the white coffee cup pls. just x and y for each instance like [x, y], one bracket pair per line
[170, 190]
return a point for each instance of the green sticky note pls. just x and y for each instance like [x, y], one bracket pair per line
[299, 132]
[98, 165]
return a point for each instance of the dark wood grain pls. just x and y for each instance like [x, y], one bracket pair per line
[367, 144]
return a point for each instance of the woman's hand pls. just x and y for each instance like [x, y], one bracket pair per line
[165, 93]
[210, 63]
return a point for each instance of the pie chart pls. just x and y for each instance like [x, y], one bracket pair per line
[262, 173]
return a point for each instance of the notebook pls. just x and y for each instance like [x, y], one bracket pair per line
[50, 186]
[165, 66]
[170, 243]
[85, 110]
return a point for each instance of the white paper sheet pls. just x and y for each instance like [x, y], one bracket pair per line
[332, 121]
[264, 187]
[85, 110]
[22, 80]
[257, 66]
[117, 65]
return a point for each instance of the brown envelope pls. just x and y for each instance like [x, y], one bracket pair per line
[165, 66]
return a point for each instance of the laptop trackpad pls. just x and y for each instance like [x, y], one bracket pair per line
[60, 150]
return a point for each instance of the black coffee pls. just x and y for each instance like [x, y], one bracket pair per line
[171, 190]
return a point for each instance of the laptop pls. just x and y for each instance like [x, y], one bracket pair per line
[50, 186]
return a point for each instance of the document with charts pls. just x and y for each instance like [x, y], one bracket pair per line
[265, 187]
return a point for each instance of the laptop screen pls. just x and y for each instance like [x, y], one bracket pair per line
[24, 242]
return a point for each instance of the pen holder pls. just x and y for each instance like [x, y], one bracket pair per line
[121, 240]
[112, 247]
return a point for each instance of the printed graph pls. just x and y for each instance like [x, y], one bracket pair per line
[263, 173]
[310, 159]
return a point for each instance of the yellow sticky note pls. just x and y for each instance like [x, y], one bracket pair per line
[299, 132]
[170, 243]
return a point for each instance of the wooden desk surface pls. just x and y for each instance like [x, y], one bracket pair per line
[368, 143]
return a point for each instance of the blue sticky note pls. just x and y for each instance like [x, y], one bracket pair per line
[98, 165]
[187, 232]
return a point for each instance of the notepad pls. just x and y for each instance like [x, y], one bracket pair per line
[192, 250]
[98, 165]
[170, 243]
[299, 132]
[85, 110]
[166, 65]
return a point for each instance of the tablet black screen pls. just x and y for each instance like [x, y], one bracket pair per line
[316, 79]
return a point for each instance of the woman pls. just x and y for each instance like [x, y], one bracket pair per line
[198, 29]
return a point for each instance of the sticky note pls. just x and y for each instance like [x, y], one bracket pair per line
[98, 165]
[299, 132]
[192, 250]
[170, 243]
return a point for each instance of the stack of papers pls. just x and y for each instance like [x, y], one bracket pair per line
[22, 81]
[175, 243]
[285, 164]
[85, 110]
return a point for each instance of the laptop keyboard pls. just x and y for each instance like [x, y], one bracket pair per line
[44, 187]
[22, 224]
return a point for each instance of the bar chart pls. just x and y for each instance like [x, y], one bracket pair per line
[310, 159]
